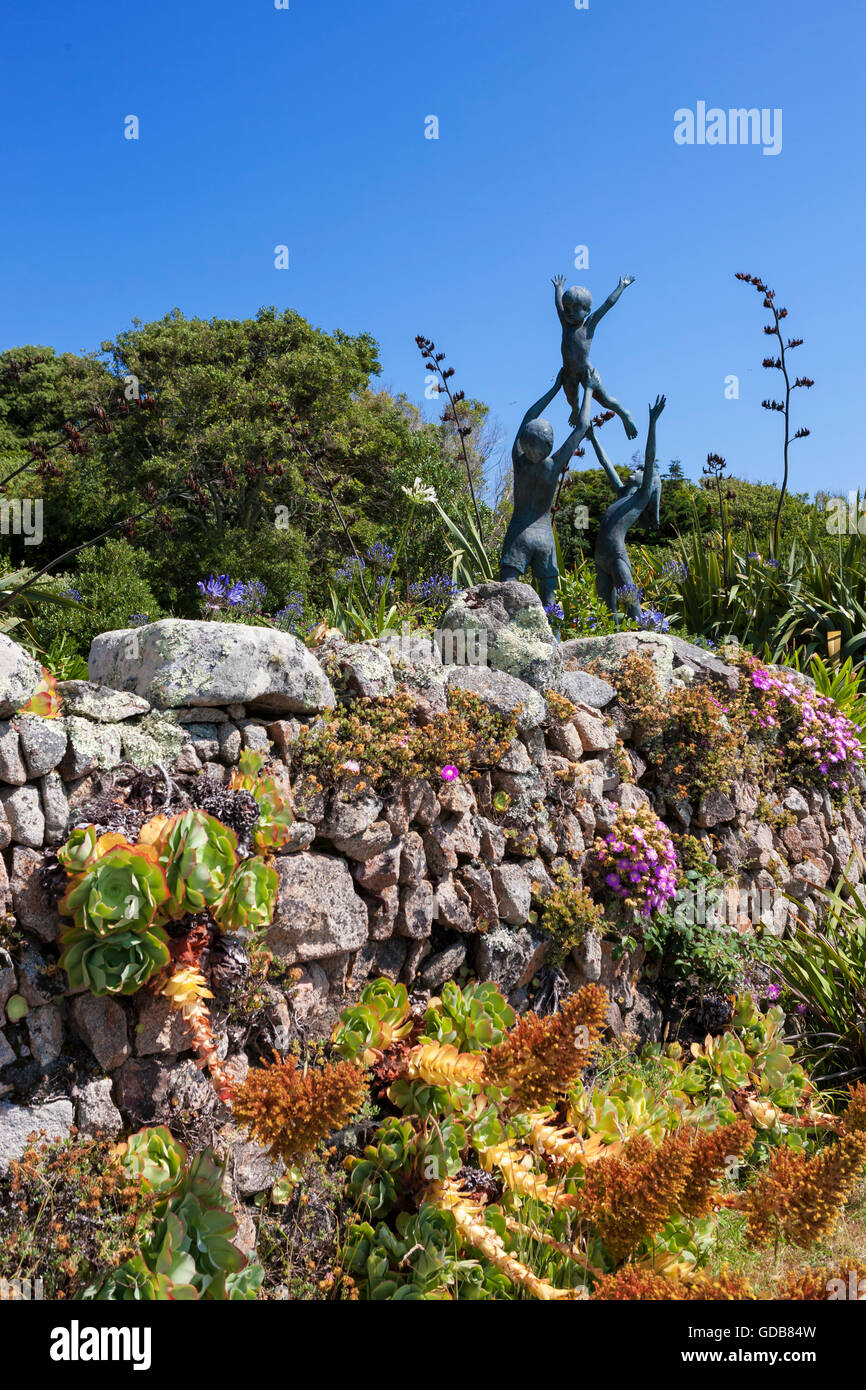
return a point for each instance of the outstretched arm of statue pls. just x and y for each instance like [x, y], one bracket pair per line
[650, 483]
[603, 459]
[535, 410]
[558, 282]
[605, 308]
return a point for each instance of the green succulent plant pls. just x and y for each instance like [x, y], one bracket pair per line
[156, 1159]
[472, 1019]
[79, 850]
[199, 855]
[188, 1253]
[273, 827]
[116, 962]
[381, 1016]
[123, 890]
[249, 898]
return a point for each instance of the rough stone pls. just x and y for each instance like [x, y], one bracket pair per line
[519, 640]
[251, 1168]
[97, 1112]
[492, 840]
[417, 664]
[19, 676]
[160, 1028]
[30, 903]
[205, 714]
[415, 914]
[229, 738]
[595, 735]
[7, 1056]
[610, 651]
[153, 740]
[442, 966]
[502, 693]
[350, 813]
[100, 702]
[364, 670]
[381, 870]
[702, 664]
[479, 884]
[91, 747]
[35, 983]
[43, 742]
[715, 808]
[18, 1122]
[55, 808]
[318, 912]
[413, 862]
[101, 1025]
[509, 957]
[152, 1092]
[583, 688]
[451, 906]
[45, 1034]
[177, 662]
[413, 802]
[367, 844]
[309, 995]
[23, 808]
[12, 769]
[513, 888]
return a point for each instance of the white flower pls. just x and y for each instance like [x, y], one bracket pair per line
[418, 493]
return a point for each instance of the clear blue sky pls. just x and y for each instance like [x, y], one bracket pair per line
[306, 127]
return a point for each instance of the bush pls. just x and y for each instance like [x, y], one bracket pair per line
[113, 585]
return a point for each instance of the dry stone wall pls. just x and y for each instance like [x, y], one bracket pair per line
[416, 883]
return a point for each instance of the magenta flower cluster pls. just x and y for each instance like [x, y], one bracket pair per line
[809, 722]
[638, 861]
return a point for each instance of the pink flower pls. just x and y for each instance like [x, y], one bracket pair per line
[450, 773]
[351, 766]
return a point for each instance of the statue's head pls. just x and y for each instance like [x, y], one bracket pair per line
[634, 482]
[536, 440]
[576, 304]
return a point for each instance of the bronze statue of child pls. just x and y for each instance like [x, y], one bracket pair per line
[641, 493]
[578, 327]
[529, 541]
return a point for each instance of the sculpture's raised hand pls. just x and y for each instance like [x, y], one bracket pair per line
[656, 410]
[625, 281]
[558, 281]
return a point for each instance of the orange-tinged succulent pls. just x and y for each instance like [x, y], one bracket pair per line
[45, 700]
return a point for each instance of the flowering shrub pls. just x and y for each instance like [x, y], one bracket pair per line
[815, 738]
[382, 739]
[638, 861]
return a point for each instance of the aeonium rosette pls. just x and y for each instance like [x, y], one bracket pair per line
[199, 856]
[248, 901]
[637, 861]
[114, 945]
[119, 886]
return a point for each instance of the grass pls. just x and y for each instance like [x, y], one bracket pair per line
[764, 1267]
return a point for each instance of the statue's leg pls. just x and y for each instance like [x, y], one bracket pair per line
[507, 572]
[623, 579]
[606, 589]
[607, 402]
[546, 572]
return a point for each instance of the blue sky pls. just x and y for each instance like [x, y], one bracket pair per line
[306, 127]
